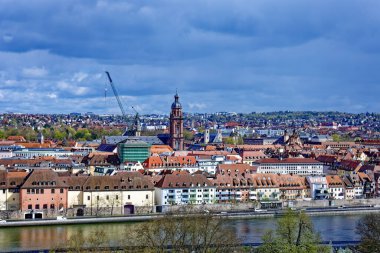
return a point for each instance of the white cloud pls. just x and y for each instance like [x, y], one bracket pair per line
[197, 106]
[7, 38]
[34, 72]
[62, 85]
[79, 90]
[52, 95]
[79, 77]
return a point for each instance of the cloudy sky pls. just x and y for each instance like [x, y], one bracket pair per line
[240, 56]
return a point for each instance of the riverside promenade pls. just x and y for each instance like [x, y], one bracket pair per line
[241, 214]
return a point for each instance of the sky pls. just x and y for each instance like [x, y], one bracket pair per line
[234, 56]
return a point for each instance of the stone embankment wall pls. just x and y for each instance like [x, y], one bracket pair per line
[215, 208]
[328, 203]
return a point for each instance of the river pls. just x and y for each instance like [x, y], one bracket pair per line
[331, 228]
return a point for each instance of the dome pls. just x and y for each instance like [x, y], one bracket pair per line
[176, 104]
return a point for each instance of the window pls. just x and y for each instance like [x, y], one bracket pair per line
[108, 197]
[29, 206]
[52, 206]
[129, 196]
[147, 196]
[97, 197]
[61, 190]
[37, 206]
[52, 190]
[117, 196]
[88, 197]
[42, 191]
[45, 206]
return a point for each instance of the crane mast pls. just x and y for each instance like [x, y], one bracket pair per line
[117, 96]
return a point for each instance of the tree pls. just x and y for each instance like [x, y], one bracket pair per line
[188, 135]
[294, 234]
[369, 230]
[185, 233]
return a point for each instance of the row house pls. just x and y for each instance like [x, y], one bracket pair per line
[159, 163]
[249, 157]
[10, 183]
[43, 190]
[123, 191]
[238, 169]
[292, 187]
[297, 166]
[46, 162]
[209, 163]
[335, 187]
[329, 162]
[179, 189]
[318, 187]
[348, 167]
[233, 188]
[266, 187]
[369, 185]
[108, 160]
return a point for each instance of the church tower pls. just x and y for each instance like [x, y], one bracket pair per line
[176, 125]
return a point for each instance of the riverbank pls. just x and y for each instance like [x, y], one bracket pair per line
[335, 228]
[246, 214]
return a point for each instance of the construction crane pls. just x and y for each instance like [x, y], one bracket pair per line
[137, 126]
[117, 96]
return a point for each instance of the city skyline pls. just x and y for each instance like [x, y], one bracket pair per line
[221, 56]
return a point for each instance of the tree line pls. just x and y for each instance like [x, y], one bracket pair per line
[60, 133]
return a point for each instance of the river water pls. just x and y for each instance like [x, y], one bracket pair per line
[331, 228]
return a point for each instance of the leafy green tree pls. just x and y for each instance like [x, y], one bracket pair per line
[188, 135]
[294, 234]
[58, 134]
[83, 134]
[369, 230]
[335, 137]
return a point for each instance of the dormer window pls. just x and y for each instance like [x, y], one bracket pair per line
[97, 187]
[106, 187]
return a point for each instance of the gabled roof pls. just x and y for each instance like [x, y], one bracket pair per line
[183, 181]
[123, 181]
[334, 181]
[238, 168]
[42, 178]
[327, 158]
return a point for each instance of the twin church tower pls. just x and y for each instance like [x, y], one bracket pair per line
[176, 125]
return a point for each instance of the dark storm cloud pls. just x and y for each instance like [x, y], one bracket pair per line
[266, 55]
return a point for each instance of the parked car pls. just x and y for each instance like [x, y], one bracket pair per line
[61, 218]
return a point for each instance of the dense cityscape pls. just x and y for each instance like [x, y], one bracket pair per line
[91, 165]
